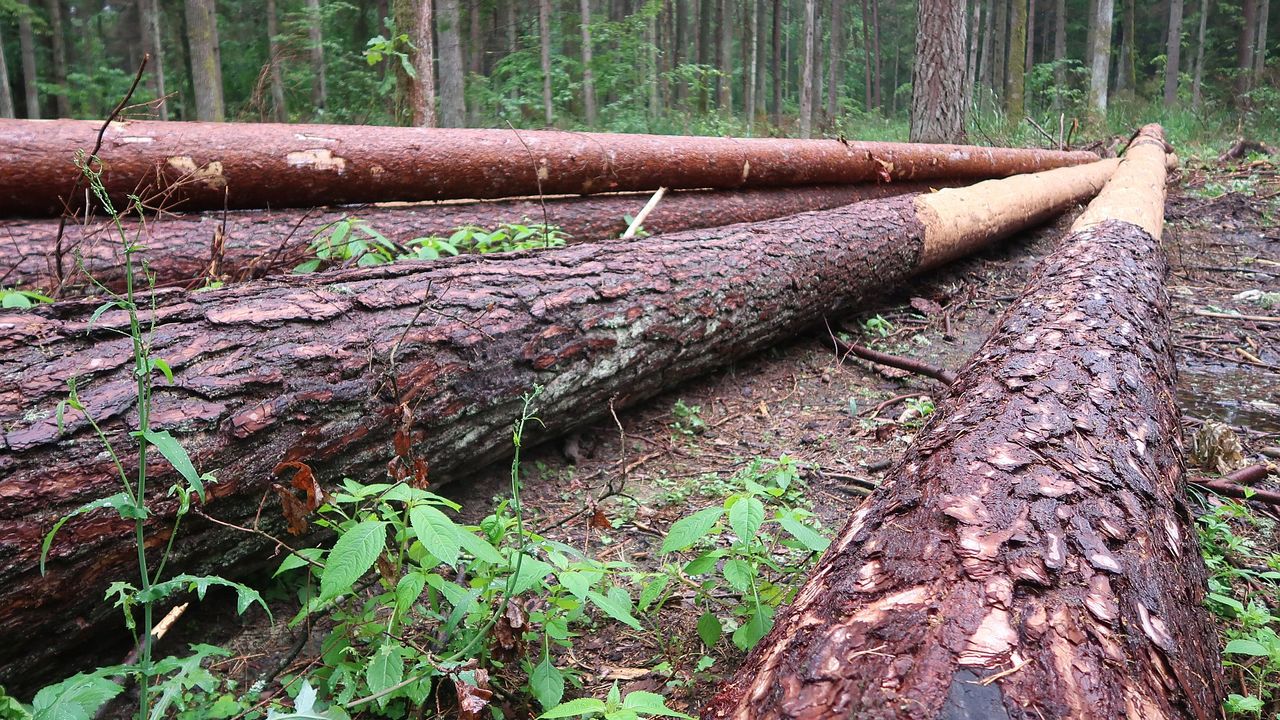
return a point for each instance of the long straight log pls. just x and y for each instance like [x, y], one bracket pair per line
[211, 166]
[182, 249]
[1032, 555]
[324, 369]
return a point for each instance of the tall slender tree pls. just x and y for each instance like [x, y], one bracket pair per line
[806, 70]
[1100, 56]
[588, 80]
[544, 31]
[1260, 51]
[1173, 53]
[1030, 60]
[27, 50]
[835, 59]
[971, 67]
[937, 86]
[1000, 49]
[206, 60]
[1016, 75]
[453, 103]
[315, 42]
[149, 19]
[776, 47]
[753, 56]
[877, 74]
[985, 71]
[1245, 47]
[423, 95]
[1126, 74]
[275, 57]
[6, 92]
[725, 61]
[1197, 97]
[58, 54]
[1059, 49]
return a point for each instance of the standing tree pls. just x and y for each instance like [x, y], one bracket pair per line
[6, 93]
[1100, 56]
[279, 109]
[937, 86]
[206, 62]
[806, 70]
[753, 58]
[835, 62]
[544, 32]
[27, 48]
[1016, 77]
[588, 80]
[453, 104]
[1000, 48]
[1245, 47]
[1260, 52]
[315, 22]
[422, 95]
[58, 47]
[725, 82]
[1173, 52]
[1059, 49]
[149, 19]
[1197, 98]
[776, 48]
[971, 66]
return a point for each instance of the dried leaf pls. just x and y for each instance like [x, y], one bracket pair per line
[472, 699]
[507, 631]
[600, 520]
[294, 510]
[304, 480]
[925, 306]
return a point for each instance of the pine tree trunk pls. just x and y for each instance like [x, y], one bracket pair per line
[971, 67]
[1260, 54]
[423, 93]
[588, 82]
[877, 56]
[776, 45]
[1015, 81]
[475, 54]
[6, 91]
[58, 52]
[705, 47]
[762, 59]
[544, 36]
[806, 71]
[206, 62]
[1197, 98]
[986, 73]
[1059, 50]
[1245, 48]
[1173, 54]
[279, 108]
[1000, 59]
[27, 47]
[753, 67]
[1032, 555]
[651, 64]
[453, 103]
[315, 49]
[725, 81]
[1100, 57]
[937, 86]
[321, 370]
[835, 60]
[149, 19]
[1030, 60]
[1127, 76]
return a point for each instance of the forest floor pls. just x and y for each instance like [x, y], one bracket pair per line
[613, 489]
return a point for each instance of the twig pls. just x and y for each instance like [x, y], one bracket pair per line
[911, 365]
[644, 213]
[1041, 130]
[1234, 316]
[537, 177]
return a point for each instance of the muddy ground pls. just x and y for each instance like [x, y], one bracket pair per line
[843, 420]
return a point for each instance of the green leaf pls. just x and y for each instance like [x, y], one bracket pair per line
[437, 532]
[200, 584]
[617, 605]
[120, 502]
[739, 573]
[480, 548]
[653, 591]
[745, 517]
[807, 536]
[703, 564]
[77, 698]
[688, 530]
[308, 266]
[177, 457]
[298, 559]
[1246, 647]
[709, 629]
[750, 632]
[576, 582]
[408, 590]
[574, 708]
[650, 704]
[163, 366]
[14, 300]
[385, 670]
[532, 574]
[351, 557]
[547, 683]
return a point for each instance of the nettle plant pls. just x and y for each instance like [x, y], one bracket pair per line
[353, 241]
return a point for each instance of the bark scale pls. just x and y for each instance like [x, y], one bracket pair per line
[212, 166]
[300, 369]
[1032, 555]
[937, 90]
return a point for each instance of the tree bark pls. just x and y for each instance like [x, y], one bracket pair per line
[878, 73]
[1127, 76]
[806, 70]
[1059, 49]
[315, 36]
[279, 107]
[937, 88]
[210, 166]
[1030, 60]
[835, 60]
[6, 91]
[206, 63]
[1173, 54]
[986, 73]
[423, 93]
[58, 53]
[753, 66]
[1100, 56]
[544, 31]
[1015, 80]
[1245, 48]
[453, 103]
[149, 18]
[27, 47]
[971, 67]
[725, 81]
[1260, 53]
[588, 82]
[1000, 60]
[301, 369]
[777, 63]
[1197, 98]
[1032, 555]
[180, 247]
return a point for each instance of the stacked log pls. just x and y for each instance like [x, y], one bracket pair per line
[324, 369]
[1032, 555]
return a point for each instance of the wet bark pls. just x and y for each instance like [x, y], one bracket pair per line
[298, 369]
[180, 248]
[186, 166]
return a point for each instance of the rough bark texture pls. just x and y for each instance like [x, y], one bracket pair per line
[588, 80]
[1100, 55]
[453, 105]
[1032, 555]
[298, 369]
[1173, 53]
[27, 49]
[1016, 77]
[179, 247]
[422, 89]
[149, 27]
[208, 166]
[938, 103]
[206, 62]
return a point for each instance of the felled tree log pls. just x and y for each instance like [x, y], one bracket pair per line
[182, 249]
[1032, 555]
[212, 166]
[324, 369]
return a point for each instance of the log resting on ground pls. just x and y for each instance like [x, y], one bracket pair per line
[299, 368]
[179, 247]
[212, 166]
[1032, 556]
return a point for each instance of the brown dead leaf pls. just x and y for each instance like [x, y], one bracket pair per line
[925, 306]
[472, 698]
[623, 673]
[507, 631]
[294, 510]
[297, 509]
[599, 520]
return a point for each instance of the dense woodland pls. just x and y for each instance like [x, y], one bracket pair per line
[794, 67]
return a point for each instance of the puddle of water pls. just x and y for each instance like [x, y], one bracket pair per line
[1248, 397]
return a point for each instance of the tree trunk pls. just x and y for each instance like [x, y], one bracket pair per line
[1260, 53]
[971, 67]
[986, 73]
[1015, 80]
[651, 58]
[453, 103]
[298, 369]
[423, 89]
[1000, 60]
[1059, 50]
[269, 165]
[806, 71]
[6, 91]
[544, 31]
[1100, 56]
[279, 107]
[937, 87]
[835, 60]
[1197, 98]
[725, 81]
[753, 58]
[206, 62]
[878, 73]
[58, 52]
[588, 83]
[1173, 54]
[705, 47]
[1032, 555]
[149, 19]
[1245, 47]
[777, 63]
[179, 247]
[1030, 60]
[1126, 75]
[315, 42]
[27, 47]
